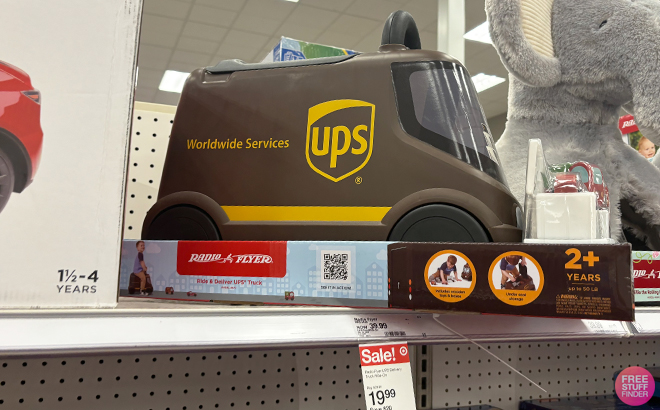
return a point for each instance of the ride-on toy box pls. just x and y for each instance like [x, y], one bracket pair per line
[380, 146]
[550, 280]
[66, 94]
[517, 279]
[312, 273]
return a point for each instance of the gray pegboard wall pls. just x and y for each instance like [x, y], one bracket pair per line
[275, 379]
[329, 378]
[150, 136]
[465, 375]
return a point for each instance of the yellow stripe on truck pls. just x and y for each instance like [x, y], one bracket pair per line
[305, 213]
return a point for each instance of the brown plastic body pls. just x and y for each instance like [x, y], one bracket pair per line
[403, 173]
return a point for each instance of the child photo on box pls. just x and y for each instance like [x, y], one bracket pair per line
[140, 268]
[514, 273]
[443, 272]
[643, 145]
[646, 148]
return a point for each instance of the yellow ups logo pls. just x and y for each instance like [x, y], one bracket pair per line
[340, 137]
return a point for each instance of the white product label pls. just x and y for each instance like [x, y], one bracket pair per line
[386, 376]
[604, 326]
[372, 326]
[385, 325]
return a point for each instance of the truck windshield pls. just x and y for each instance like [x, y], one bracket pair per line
[438, 104]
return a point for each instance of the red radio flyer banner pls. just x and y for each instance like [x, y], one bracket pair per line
[242, 259]
[646, 273]
[387, 377]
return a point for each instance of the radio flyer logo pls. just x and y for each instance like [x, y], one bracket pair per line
[218, 258]
[635, 386]
[340, 137]
[236, 259]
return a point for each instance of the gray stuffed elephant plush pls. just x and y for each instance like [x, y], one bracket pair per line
[573, 65]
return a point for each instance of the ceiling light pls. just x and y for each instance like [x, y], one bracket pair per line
[483, 81]
[292, 1]
[479, 33]
[173, 81]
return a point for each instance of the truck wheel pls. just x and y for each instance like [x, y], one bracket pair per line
[6, 179]
[182, 223]
[438, 223]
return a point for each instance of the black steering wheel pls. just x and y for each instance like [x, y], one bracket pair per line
[400, 28]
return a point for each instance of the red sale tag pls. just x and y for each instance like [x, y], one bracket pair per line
[387, 377]
[384, 354]
[225, 258]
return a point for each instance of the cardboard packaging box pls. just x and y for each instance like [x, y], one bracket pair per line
[66, 95]
[646, 273]
[586, 282]
[288, 49]
[566, 281]
[306, 273]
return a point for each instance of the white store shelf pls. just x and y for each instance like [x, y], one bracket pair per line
[144, 325]
[647, 322]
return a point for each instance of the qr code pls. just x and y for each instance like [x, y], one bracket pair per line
[336, 266]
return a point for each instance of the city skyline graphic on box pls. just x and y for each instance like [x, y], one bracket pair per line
[315, 273]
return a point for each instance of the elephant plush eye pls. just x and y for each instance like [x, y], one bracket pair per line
[602, 24]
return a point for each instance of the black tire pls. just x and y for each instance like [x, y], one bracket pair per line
[7, 179]
[182, 223]
[438, 223]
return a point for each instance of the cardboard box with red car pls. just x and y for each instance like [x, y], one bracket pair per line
[66, 94]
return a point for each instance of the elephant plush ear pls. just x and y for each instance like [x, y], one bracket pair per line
[521, 31]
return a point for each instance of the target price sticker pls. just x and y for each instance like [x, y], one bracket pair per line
[387, 377]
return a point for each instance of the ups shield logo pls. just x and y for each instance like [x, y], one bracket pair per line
[340, 137]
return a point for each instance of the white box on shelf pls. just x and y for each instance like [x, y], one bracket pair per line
[570, 216]
[66, 96]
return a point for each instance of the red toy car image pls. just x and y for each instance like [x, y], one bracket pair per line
[190, 293]
[592, 178]
[20, 131]
[567, 182]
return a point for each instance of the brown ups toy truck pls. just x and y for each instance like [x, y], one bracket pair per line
[390, 145]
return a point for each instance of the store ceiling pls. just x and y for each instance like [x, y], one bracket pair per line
[183, 35]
